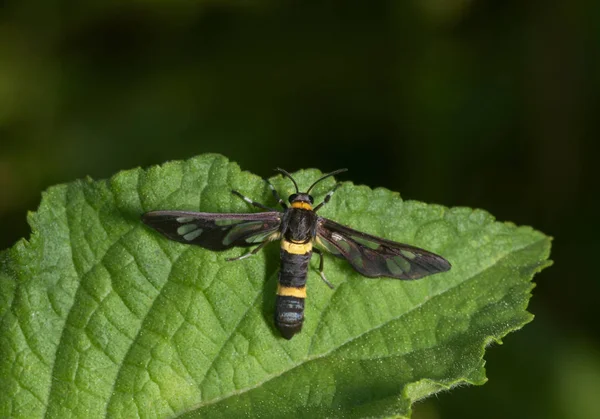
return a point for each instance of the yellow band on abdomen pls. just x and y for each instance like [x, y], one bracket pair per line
[291, 291]
[296, 248]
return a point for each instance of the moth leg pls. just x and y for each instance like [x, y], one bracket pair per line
[328, 196]
[318, 252]
[276, 194]
[251, 202]
[250, 253]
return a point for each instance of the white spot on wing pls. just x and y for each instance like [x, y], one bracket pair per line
[183, 220]
[337, 237]
[187, 228]
[192, 235]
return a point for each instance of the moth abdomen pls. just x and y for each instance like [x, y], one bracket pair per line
[291, 290]
[289, 314]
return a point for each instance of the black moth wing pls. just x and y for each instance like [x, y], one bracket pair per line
[215, 231]
[374, 257]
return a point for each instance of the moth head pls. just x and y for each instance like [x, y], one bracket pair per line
[300, 197]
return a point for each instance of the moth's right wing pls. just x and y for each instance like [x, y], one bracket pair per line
[374, 256]
[216, 231]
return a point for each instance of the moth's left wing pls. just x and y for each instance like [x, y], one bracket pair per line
[374, 257]
[215, 231]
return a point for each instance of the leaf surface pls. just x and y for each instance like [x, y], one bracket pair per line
[101, 316]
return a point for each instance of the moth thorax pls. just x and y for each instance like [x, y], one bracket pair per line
[301, 225]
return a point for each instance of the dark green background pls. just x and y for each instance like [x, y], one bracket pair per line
[487, 104]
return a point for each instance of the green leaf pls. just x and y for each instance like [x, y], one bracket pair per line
[102, 316]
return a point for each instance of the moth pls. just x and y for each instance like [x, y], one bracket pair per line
[301, 233]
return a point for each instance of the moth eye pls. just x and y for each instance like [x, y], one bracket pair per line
[310, 198]
[293, 197]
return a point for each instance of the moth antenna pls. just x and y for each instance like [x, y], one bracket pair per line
[283, 172]
[325, 177]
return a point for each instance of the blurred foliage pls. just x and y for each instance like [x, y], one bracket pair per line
[477, 103]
